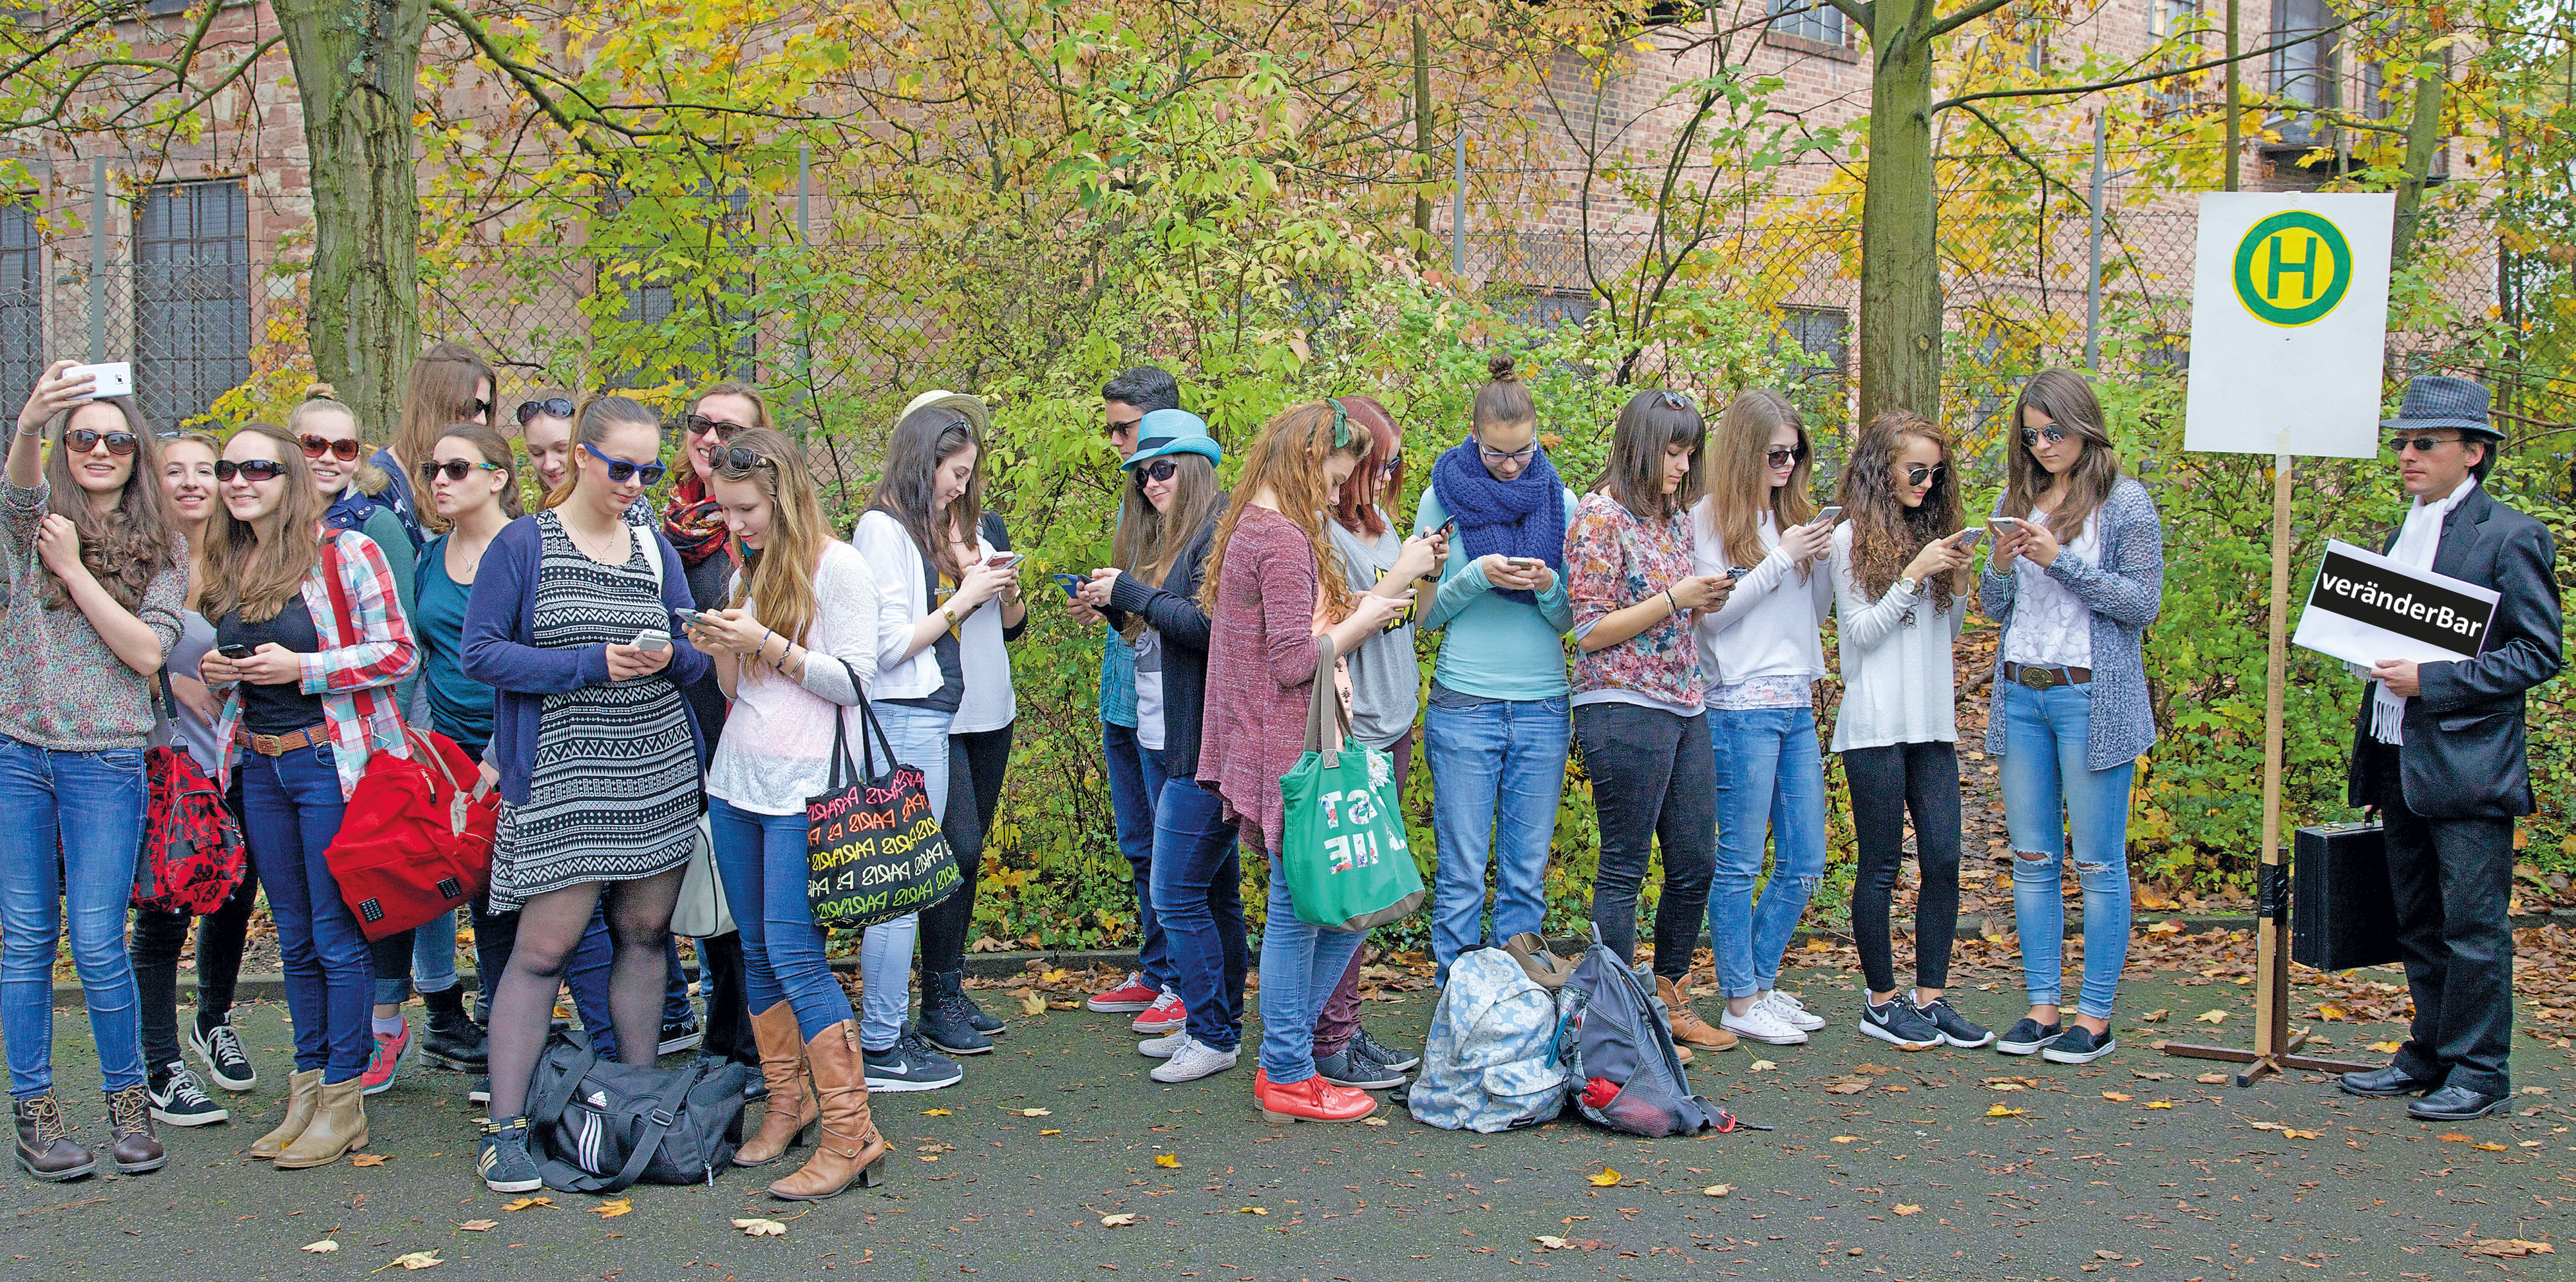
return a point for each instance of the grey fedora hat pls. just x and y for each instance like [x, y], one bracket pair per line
[2442, 400]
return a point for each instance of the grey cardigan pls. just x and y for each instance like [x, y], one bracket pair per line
[2124, 592]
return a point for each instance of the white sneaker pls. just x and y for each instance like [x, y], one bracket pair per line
[1791, 1011]
[1163, 1047]
[1194, 1060]
[1762, 1024]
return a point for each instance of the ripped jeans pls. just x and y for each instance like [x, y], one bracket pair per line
[2049, 796]
[1770, 779]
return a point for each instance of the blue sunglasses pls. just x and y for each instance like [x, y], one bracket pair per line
[620, 471]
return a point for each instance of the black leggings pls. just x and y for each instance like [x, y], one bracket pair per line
[1654, 778]
[550, 927]
[1885, 784]
[977, 763]
[154, 947]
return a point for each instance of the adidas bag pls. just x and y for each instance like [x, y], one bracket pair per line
[1617, 1046]
[1491, 1062]
[596, 1126]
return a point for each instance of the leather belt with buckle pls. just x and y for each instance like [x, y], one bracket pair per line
[278, 745]
[2038, 678]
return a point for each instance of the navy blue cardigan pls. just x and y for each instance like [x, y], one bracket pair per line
[498, 648]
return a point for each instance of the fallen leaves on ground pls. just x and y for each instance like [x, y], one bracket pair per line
[368, 1159]
[2291, 1131]
[1167, 1159]
[1847, 1086]
[2328, 1010]
[2511, 1248]
[1906, 1208]
[1252, 1210]
[611, 1210]
[479, 1226]
[526, 1202]
[415, 1261]
[1032, 1004]
[1051, 1132]
[2155, 1016]
[2001, 1111]
[2117, 1096]
[761, 1228]
[1568, 1244]
[934, 1112]
[1718, 1190]
[2211, 1079]
[323, 1247]
[1037, 1112]
[1120, 1221]
[1845, 1139]
[1374, 1121]
[2158, 1103]
[2386, 1048]
[1604, 1178]
[1763, 1066]
[2106, 1255]
[2211, 1017]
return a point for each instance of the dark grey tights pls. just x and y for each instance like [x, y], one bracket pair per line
[550, 927]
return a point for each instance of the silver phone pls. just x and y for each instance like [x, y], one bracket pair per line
[1970, 537]
[652, 640]
[1831, 514]
[111, 378]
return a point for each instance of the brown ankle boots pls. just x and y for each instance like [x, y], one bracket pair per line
[792, 1112]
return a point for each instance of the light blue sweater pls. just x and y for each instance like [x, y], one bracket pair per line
[1494, 647]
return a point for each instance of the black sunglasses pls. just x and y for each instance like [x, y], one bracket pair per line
[2422, 444]
[1675, 400]
[742, 459]
[456, 469]
[700, 425]
[550, 407]
[1114, 426]
[2032, 436]
[119, 444]
[258, 469]
[1783, 458]
[1161, 469]
[1918, 473]
[477, 408]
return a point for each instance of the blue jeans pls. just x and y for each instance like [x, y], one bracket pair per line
[1135, 783]
[92, 803]
[2048, 794]
[1198, 896]
[919, 737]
[1300, 964]
[762, 859]
[291, 809]
[426, 961]
[1770, 777]
[1497, 774]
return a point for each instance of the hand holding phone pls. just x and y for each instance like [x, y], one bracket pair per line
[689, 618]
[234, 651]
[1831, 514]
[1071, 583]
[110, 378]
[1966, 540]
[652, 640]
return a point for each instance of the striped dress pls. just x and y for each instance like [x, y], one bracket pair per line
[613, 792]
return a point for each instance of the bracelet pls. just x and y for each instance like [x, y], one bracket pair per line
[39, 430]
[766, 636]
[1674, 603]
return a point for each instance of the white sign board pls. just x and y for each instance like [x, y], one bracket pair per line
[2289, 316]
[2365, 608]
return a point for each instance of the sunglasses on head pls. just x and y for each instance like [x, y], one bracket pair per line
[620, 471]
[345, 451]
[1783, 458]
[1673, 400]
[2421, 444]
[701, 425]
[119, 444]
[455, 469]
[742, 459]
[2053, 434]
[258, 469]
[1391, 466]
[1918, 473]
[550, 407]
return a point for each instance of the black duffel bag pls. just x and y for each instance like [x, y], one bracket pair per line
[596, 1126]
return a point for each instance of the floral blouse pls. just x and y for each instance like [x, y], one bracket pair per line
[1613, 560]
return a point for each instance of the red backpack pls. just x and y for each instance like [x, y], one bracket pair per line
[192, 848]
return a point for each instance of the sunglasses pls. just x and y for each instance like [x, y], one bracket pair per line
[1390, 467]
[1918, 473]
[258, 469]
[2421, 444]
[550, 407]
[701, 425]
[345, 451]
[455, 469]
[2053, 434]
[477, 409]
[1673, 400]
[119, 444]
[620, 471]
[742, 459]
[1161, 469]
[1116, 425]
[1783, 458]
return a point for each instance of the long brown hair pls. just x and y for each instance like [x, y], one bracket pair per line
[1149, 542]
[1650, 423]
[2064, 396]
[495, 449]
[778, 580]
[1386, 441]
[591, 424]
[1739, 476]
[438, 393]
[1886, 535]
[129, 543]
[924, 439]
[689, 489]
[1288, 461]
[257, 568]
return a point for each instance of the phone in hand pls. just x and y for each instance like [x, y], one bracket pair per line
[1004, 559]
[1738, 571]
[111, 378]
[1071, 583]
[1524, 562]
[652, 640]
[689, 618]
[235, 652]
[2002, 526]
[1967, 539]
[1830, 514]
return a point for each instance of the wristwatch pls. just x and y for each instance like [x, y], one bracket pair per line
[1908, 584]
[949, 612]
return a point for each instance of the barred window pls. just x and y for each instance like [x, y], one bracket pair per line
[1821, 337]
[1811, 20]
[191, 297]
[22, 314]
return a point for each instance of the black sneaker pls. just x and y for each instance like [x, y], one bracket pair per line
[503, 1161]
[178, 1100]
[1956, 1029]
[910, 1065]
[2079, 1045]
[1898, 1022]
[1356, 1070]
[1384, 1054]
[1360, 1050]
[2028, 1037]
[681, 1034]
[219, 1048]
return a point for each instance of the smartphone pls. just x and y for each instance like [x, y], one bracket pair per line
[1449, 528]
[652, 640]
[1523, 562]
[1071, 583]
[1831, 514]
[689, 618]
[2002, 525]
[1004, 558]
[1738, 571]
[234, 651]
[114, 378]
[1969, 537]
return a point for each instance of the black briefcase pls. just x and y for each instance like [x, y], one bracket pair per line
[2342, 913]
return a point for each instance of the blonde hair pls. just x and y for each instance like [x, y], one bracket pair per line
[256, 567]
[1739, 476]
[778, 581]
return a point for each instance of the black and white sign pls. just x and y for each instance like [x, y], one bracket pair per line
[2365, 608]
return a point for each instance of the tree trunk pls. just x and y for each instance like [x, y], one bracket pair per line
[1900, 261]
[357, 63]
[2423, 142]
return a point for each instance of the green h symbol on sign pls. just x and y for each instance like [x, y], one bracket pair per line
[2325, 270]
[2282, 266]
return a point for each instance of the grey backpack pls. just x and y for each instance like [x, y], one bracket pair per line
[1490, 1064]
[1617, 1047]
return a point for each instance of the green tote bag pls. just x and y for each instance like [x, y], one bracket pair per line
[1343, 851]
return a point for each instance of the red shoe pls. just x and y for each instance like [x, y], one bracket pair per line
[1312, 1100]
[1166, 1014]
[1134, 995]
[381, 1066]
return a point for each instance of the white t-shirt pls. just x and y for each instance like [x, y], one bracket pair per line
[985, 658]
[777, 746]
[2050, 628]
[1148, 649]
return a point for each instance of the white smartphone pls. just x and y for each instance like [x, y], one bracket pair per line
[2002, 525]
[113, 378]
[652, 640]
[1831, 514]
[1969, 537]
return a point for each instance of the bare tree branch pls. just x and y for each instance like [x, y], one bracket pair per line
[2126, 81]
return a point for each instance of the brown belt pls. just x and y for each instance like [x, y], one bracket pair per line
[278, 745]
[2038, 678]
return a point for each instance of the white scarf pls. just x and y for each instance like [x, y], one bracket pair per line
[2418, 542]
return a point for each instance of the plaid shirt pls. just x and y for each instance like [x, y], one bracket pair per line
[356, 682]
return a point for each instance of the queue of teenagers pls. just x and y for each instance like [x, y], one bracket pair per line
[626, 666]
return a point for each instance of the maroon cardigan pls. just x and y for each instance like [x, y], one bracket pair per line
[1261, 670]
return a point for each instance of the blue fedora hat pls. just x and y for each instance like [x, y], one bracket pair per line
[2442, 400]
[1164, 432]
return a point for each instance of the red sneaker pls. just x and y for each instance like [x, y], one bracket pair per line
[1134, 995]
[1167, 1013]
[381, 1066]
[1312, 1100]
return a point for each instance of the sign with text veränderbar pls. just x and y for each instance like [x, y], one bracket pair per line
[2289, 316]
[2365, 608]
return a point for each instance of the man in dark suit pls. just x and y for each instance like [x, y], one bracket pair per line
[2439, 755]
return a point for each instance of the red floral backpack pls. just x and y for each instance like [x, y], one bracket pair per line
[192, 848]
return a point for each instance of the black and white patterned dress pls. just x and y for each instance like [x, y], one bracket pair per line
[613, 792]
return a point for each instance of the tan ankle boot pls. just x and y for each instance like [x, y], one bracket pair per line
[1688, 1028]
[339, 1126]
[303, 1091]
[791, 1112]
[850, 1148]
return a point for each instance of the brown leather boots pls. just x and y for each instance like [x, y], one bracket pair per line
[792, 1112]
[1689, 1030]
[323, 1123]
[850, 1148]
[47, 1151]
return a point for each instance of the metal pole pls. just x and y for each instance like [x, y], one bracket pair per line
[1458, 208]
[805, 244]
[2093, 296]
[2235, 145]
[98, 259]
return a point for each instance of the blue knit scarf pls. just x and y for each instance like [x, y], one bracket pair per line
[1522, 517]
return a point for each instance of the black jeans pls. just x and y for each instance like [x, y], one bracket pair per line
[155, 945]
[2452, 880]
[1654, 776]
[1887, 783]
[977, 763]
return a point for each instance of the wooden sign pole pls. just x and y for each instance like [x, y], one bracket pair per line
[2275, 1046]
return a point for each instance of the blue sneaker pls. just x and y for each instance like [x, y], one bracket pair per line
[503, 1160]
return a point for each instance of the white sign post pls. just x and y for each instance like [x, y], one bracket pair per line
[2289, 319]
